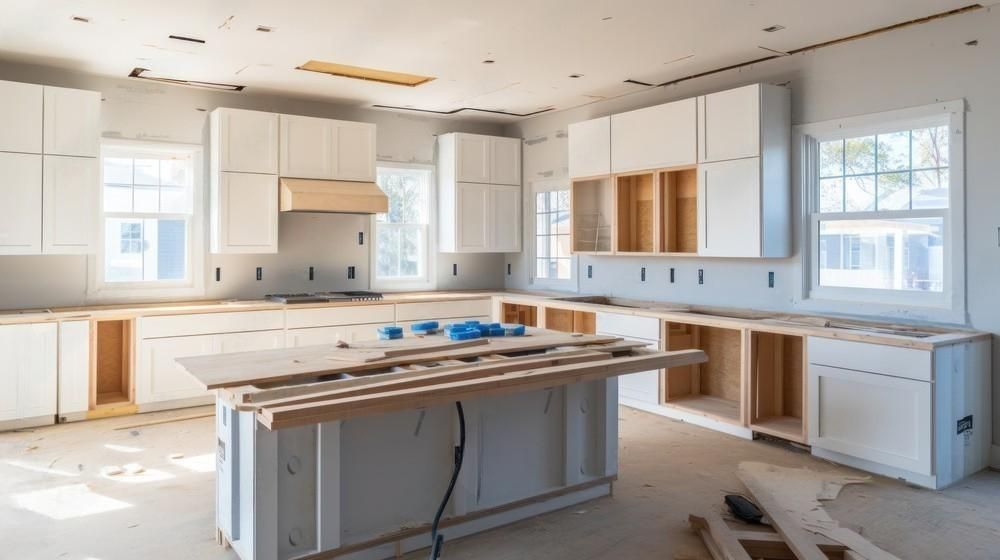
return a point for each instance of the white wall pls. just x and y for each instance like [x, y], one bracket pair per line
[133, 109]
[910, 67]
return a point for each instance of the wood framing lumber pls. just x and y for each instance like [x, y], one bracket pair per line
[421, 397]
[714, 531]
[797, 539]
[372, 352]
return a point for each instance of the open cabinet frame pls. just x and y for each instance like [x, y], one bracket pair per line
[592, 215]
[778, 365]
[112, 363]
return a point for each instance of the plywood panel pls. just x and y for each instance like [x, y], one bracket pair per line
[523, 314]
[559, 319]
[592, 212]
[635, 213]
[720, 376]
[679, 212]
[112, 362]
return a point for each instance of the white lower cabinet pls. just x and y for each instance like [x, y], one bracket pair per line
[329, 335]
[644, 386]
[28, 365]
[74, 370]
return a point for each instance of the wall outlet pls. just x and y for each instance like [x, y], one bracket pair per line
[312, 274]
[218, 274]
[454, 269]
[350, 272]
[361, 238]
[508, 269]
[642, 274]
[260, 273]
[590, 271]
[770, 279]
[701, 275]
[672, 275]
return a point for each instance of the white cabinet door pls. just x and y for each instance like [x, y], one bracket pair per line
[504, 215]
[472, 153]
[248, 141]
[590, 148]
[643, 386]
[72, 122]
[247, 214]
[505, 164]
[874, 417]
[729, 124]
[28, 373]
[355, 151]
[21, 115]
[250, 341]
[70, 196]
[655, 137]
[160, 378]
[329, 335]
[20, 204]
[472, 219]
[74, 367]
[307, 147]
[729, 218]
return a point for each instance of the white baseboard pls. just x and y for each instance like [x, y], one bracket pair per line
[927, 481]
[689, 417]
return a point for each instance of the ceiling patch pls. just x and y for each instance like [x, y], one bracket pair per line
[141, 74]
[188, 39]
[362, 73]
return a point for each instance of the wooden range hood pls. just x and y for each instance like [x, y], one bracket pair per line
[342, 197]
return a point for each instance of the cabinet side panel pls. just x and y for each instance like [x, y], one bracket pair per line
[776, 191]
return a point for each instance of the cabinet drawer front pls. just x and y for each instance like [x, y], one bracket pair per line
[645, 328]
[442, 310]
[333, 316]
[295, 338]
[211, 323]
[876, 358]
[874, 417]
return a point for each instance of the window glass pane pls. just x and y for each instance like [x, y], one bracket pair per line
[176, 172]
[860, 193]
[894, 191]
[894, 151]
[542, 202]
[387, 255]
[411, 257]
[123, 250]
[170, 248]
[563, 269]
[930, 189]
[542, 268]
[899, 254]
[541, 224]
[831, 195]
[146, 199]
[831, 158]
[930, 147]
[553, 200]
[175, 200]
[562, 222]
[542, 246]
[117, 199]
[859, 155]
[554, 246]
[563, 198]
[147, 172]
[118, 171]
[562, 242]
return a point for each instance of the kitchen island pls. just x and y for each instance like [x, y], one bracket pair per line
[347, 452]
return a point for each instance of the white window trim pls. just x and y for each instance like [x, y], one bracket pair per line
[572, 283]
[429, 281]
[99, 290]
[948, 306]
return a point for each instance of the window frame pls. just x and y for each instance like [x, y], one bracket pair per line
[194, 285]
[561, 284]
[949, 305]
[429, 280]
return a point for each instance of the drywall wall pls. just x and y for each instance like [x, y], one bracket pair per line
[913, 66]
[138, 110]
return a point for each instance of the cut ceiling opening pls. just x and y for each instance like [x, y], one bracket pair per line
[141, 74]
[368, 74]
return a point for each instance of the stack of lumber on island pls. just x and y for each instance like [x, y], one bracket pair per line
[297, 386]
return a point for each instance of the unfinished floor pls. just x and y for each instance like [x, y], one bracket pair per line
[57, 504]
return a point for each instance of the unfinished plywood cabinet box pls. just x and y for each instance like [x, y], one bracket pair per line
[636, 214]
[111, 373]
[778, 385]
[678, 216]
[526, 315]
[714, 389]
[569, 320]
[592, 210]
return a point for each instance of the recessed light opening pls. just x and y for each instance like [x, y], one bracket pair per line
[488, 61]
[773, 28]
[80, 19]
[141, 74]
[576, 75]
[265, 28]
[188, 39]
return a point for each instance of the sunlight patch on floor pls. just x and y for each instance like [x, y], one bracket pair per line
[199, 463]
[67, 502]
[39, 469]
[122, 448]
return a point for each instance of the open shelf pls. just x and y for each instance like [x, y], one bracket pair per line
[777, 385]
[678, 219]
[567, 320]
[526, 315]
[592, 203]
[713, 388]
[635, 213]
[111, 381]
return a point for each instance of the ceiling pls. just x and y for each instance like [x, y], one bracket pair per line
[536, 45]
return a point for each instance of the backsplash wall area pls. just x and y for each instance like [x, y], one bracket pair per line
[136, 110]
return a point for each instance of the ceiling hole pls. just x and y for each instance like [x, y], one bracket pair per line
[608, 18]
[265, 28]
[773, 28]
[188, 39]
[972, 43]
[80, 19]
[576, 75]
[488, 61]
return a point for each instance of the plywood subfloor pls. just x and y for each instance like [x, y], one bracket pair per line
[668, 469]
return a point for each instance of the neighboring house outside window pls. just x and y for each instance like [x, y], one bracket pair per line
[150, 221]
[404, 243]
[885, 205]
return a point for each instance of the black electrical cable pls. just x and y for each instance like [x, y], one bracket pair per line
[437, 541]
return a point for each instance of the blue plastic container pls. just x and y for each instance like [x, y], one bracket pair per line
[463, 334]
[513, 329]
[389, 332]
[425, 327]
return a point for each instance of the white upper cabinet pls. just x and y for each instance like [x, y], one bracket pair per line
[729, 124]
[655, 137]
[481, 215]
[244, 141]
[505, 218]
[729, 219]
[355, 151]
[590, 148]
[21, 115]
[472, 158]
[20, 204]
[245, 213]
[72, 122]
[505, 161]
[307, 147]
[70, 196]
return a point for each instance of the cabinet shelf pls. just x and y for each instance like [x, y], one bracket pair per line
[678, 222]
[635, 215]
[592, 205]
[777, 385]
[713, 388]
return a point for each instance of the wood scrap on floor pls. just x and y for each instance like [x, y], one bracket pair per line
[166, 420]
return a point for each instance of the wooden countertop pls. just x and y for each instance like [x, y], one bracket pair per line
[909, 335]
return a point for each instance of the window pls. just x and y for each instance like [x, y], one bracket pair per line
[553, 261]
[885, 206]
[149, 206]
[402, 237]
